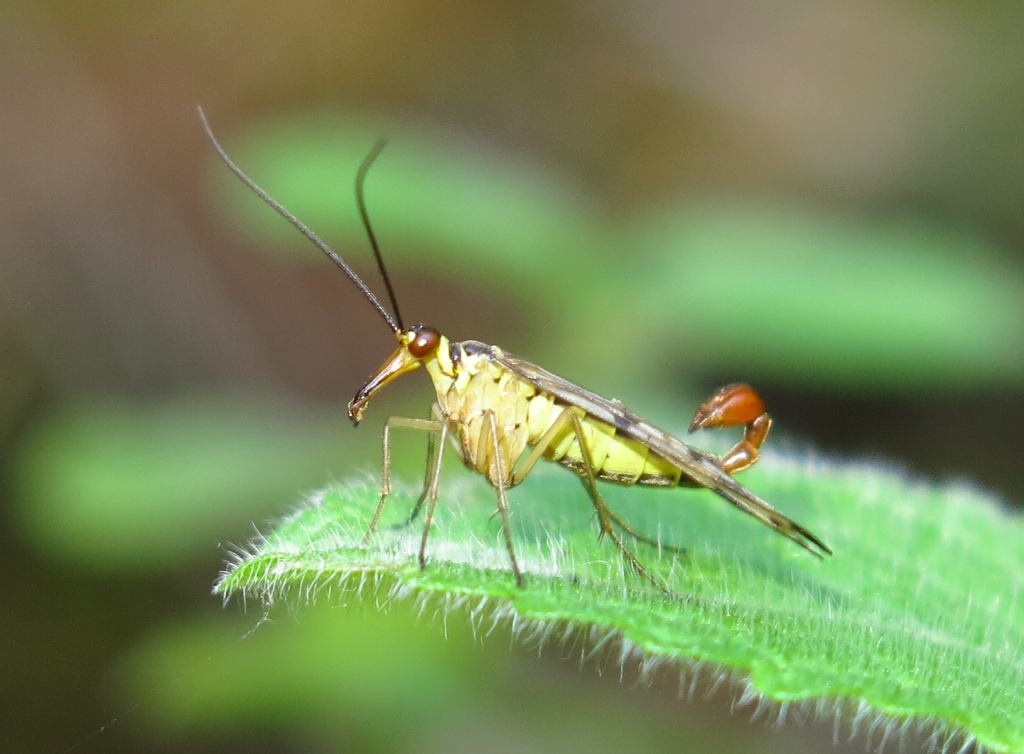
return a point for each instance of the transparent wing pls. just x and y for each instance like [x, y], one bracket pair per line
[701, 468]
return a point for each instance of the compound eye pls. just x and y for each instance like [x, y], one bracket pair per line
[425, 342]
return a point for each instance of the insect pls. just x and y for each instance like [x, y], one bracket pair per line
[503, 414]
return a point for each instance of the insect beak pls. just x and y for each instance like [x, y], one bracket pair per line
[400, 362]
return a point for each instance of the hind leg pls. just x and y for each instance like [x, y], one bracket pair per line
[606, 517]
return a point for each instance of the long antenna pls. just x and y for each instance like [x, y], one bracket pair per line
[330, 253]
[361, 201]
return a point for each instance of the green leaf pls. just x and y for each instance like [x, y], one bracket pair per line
[848, 301]
[495, 212]
[115, 483]
[351, 678]
[813, 298]
[917, 617]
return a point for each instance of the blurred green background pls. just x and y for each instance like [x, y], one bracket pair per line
[651, 199]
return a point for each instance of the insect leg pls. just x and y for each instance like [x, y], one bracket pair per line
[435, 454]
[604, 513]
[650, 542]
[605, 516]
[537, 452]
[433, 472]
[490, 428]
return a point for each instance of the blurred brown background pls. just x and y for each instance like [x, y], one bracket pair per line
[164, 383]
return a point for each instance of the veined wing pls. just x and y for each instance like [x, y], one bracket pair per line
[702, 468]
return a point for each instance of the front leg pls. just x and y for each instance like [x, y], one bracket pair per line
[430, 483]
[732, 406]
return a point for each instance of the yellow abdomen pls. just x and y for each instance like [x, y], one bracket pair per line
[615, 458]
[523, 414]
